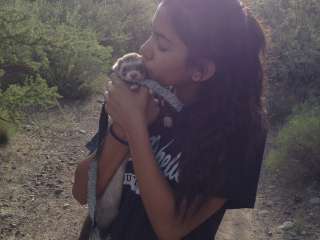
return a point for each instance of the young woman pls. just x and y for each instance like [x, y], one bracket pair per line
[180, 180]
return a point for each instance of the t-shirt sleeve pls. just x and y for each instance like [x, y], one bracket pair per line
[242, 170]
[93, 143]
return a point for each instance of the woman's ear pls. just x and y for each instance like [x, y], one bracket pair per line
[207, 70]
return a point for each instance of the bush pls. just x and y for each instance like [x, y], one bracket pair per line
[54, 46]
[299, 139]
[122, 24]
[293, 54]
[75, 60]
[68, 42]
[21, 45]
[16, 99]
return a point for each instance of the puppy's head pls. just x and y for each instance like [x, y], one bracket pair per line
[130, 67]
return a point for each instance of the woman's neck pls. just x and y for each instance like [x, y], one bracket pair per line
[187, 93]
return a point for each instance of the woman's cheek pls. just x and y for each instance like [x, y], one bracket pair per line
[154, 73]
[160, 70]
[150, 70]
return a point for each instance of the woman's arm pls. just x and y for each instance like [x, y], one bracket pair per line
[156, 193]
[113, 154]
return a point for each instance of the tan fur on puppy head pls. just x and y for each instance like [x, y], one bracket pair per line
[127, 57]
[130, 67]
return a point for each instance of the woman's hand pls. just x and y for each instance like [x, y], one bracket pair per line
[128, 107]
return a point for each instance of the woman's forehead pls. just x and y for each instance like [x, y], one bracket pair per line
[161, 24]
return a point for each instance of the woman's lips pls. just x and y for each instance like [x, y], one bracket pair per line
[148, 72]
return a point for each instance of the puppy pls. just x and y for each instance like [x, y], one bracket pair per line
[130, 68]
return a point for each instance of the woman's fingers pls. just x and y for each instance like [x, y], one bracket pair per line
[134, 87]
[109, 86]
[114, 77]
[106, 96]
[116, 81]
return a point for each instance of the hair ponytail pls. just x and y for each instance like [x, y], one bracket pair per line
[229, 108]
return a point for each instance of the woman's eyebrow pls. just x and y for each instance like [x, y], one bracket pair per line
[160, 34]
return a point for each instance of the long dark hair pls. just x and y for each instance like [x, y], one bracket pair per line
[230, 108]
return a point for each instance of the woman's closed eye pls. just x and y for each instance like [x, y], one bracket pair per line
[162, 49]
[160, 44]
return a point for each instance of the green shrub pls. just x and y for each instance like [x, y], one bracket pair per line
[21, 44]
[299, 139]
[16, 99]
[75, 60]
[54, 46]
[293, 53]
[122, 24]
[50, 49]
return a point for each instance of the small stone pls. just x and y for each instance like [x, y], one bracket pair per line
[314, 201]
[287, 212]
[58, 191]
[13, 225]
[82, 131]
[66, 205]
[5, 215]
[269, 203]
[286, 225]
[28, 127]
[59, 181]
[269, 233]
[263, 212]
[18, 233]
[297, 199]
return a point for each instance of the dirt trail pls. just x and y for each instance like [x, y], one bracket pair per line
[36, 175]
[237, 224]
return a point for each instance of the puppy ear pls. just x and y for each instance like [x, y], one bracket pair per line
[117, 65]
[115, 68]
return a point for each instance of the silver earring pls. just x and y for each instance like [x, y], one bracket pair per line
[167, 120]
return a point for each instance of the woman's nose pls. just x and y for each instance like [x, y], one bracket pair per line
[146, 51]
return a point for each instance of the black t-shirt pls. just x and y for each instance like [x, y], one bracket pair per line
[132, 222]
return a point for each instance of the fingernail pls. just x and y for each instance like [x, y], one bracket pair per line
[134, 87]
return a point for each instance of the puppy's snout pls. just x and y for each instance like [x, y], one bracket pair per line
[134, 75]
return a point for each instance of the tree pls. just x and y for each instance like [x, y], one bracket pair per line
[294, 53]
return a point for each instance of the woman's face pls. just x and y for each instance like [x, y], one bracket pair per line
[164, 53]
